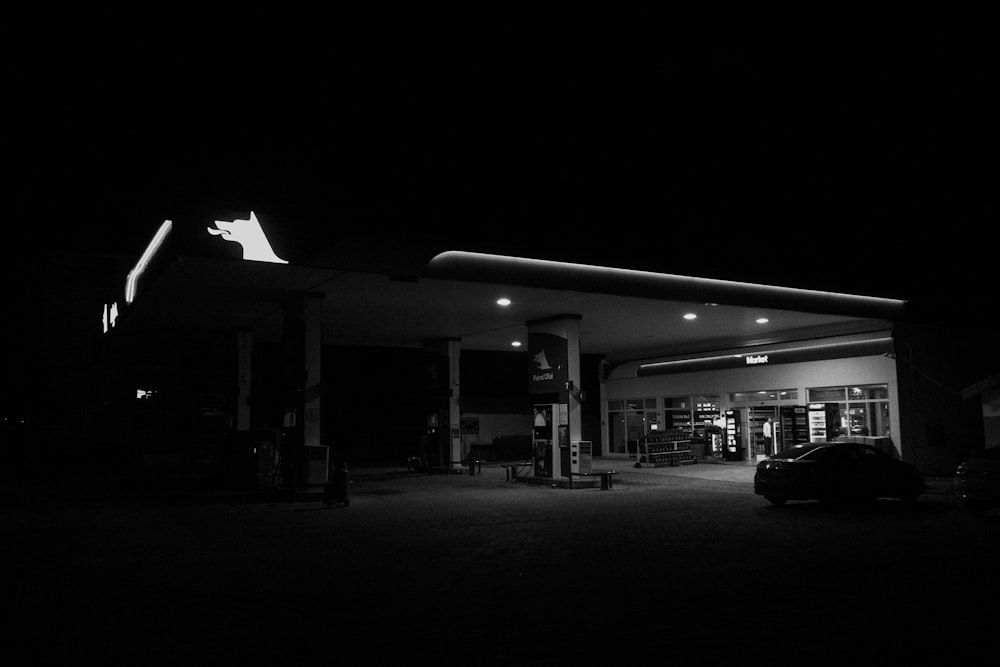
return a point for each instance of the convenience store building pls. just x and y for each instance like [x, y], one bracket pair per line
[743, 406]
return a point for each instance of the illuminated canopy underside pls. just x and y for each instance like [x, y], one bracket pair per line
[478, 267]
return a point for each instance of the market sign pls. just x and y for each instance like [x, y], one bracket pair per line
[772, 357]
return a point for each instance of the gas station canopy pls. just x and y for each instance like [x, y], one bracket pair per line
[624, 314]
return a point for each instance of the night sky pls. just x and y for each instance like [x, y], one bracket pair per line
[840, 149]
[857, 164]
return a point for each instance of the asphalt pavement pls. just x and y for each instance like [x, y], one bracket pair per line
[480, 570]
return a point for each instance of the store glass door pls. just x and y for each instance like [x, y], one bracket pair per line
[763, 426]
[617, 434]
[627, 423]
[635, 424]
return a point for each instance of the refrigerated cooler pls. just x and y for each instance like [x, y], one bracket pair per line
[794, 425]
[824, 422]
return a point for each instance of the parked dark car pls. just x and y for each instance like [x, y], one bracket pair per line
[977, 482]
[835, 471]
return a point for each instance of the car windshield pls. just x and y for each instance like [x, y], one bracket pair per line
[798, 452]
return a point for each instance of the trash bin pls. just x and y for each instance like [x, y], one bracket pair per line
[335, 491]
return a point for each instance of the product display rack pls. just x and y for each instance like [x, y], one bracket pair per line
[665, 448]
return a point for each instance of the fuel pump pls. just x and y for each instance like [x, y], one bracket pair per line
[544, 437]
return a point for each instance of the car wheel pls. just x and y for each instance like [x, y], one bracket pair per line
[775, 500]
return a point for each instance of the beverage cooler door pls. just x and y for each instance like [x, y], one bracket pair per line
[733, 436]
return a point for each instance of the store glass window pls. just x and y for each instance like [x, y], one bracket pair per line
[706, 412]
[706, 408]
[628, 421]
[677, 403]
[868, 419]
[677, 412]
[864, 413]
[869, 392]
[770, 395]
[827, 394]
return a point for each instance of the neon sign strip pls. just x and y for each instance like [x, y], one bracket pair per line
[147, 256]
[645, 284]
[762, 356]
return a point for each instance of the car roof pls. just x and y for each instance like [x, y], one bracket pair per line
[796, 451]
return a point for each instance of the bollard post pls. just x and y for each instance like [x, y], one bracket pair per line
[336, 489]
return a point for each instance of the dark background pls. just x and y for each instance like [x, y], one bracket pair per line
[836, 157]
[856, 161]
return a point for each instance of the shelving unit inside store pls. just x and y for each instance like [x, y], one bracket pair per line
[671, 447]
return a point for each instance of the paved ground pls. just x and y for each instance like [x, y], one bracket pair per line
[462, 569]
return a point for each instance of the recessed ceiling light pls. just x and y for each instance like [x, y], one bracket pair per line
[762, 320]
[515, 343]
[690, 316]
[503, 302]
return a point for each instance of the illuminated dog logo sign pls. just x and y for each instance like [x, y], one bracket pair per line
[250, 236]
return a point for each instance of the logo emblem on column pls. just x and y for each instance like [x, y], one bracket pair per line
[543, 371]
[543, 363]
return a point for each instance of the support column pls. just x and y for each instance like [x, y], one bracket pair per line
[554, 378]
[244, 352]
[444, 397]
[302, 384]
[605, 445]
[454, 408]
[312, 314]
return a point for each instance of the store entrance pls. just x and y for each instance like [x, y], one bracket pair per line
[627, 424]
[771, 428]
[763, 431]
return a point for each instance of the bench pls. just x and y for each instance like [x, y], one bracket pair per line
[605, 476]
[515, 469]
[475, 465]
[484, 452]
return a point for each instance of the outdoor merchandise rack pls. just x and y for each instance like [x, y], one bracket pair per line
[671, 447]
